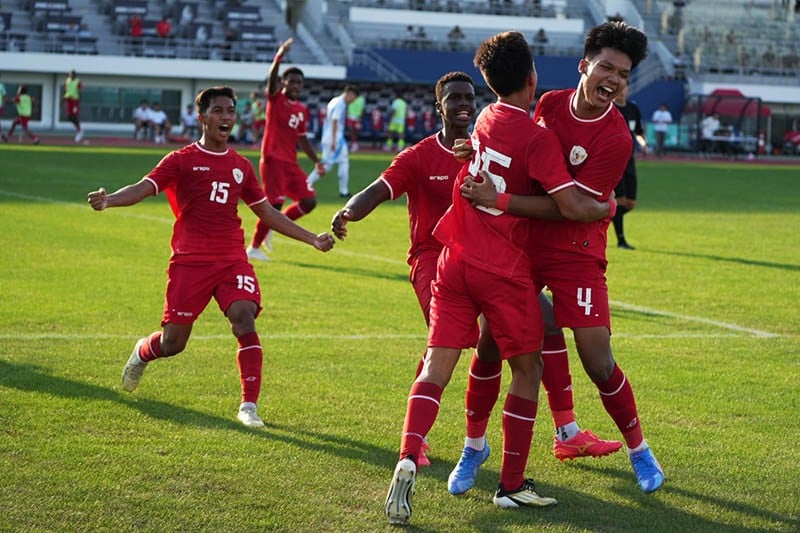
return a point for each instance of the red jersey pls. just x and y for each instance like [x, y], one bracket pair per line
[425, 172]
[518, 156]
[286, 120]
[428, 120]
[376, 119]
[596, 152]
[411, 120]
[203, 189]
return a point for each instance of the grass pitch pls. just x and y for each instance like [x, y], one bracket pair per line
[706, 320]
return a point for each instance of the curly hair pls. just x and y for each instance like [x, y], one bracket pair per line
[447, 78]
[505, 61]
[619, 36]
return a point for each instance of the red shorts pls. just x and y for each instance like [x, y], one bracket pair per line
[423, 273]
[284, 178]
[580, 293]
[461, 292]
[353, 124]
[22, 121]
[190, 288]
[73, 107]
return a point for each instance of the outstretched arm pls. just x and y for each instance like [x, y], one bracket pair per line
[272, 77]
[359, 206]
[305, 144]
[283, 225]
[128, 195]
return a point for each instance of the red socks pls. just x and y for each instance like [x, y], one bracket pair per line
[483, 388]
[249, 359]
[617, 396]
[151, 348]
[519, 415]
[423, 407]
[293, 212]
[557, 380]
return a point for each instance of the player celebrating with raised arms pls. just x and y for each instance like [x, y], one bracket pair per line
[570, 257]
[285, 127]
[203, 183]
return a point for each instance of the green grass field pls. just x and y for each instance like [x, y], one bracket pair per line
[706, 318]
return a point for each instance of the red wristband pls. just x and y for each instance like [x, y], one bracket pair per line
[277, 59]
[502, 200]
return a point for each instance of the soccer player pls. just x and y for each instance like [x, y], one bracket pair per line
[72, 98]
[425, 173]
[396, 132]
[484, 268]
[625, 191]
[335, 149]
[24, 103]
[281, 176]
[570, 257]
[203, 183]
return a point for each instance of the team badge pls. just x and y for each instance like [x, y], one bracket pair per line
[238, 175]
[577, 155]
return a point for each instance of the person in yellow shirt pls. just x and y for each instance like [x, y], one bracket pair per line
[72, 98]
[24, 104]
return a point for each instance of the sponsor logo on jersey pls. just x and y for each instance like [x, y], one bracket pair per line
[238, 175]
[201, 169]
[439, 178]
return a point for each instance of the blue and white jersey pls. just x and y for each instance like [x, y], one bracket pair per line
[337, 111]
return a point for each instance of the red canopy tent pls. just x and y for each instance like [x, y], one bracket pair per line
[731, 102]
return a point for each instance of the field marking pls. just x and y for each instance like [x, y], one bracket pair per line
[622, 305]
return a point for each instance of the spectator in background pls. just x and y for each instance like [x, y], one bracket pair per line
[259, 113]
[190, 123]
[396, 139]
[246, 120]
[376, 125]
[709, 127]
[661, 119]
[163, 28]
[72, 99]
[541, 41]
[141, 121]
[24, 103]
[135, 32]
[428, 121]
[160, 123]
[456, 38]
[355, 114]
[679, 66]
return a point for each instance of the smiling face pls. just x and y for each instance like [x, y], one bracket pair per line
[457, 105]
[603, 78]
[217, 123]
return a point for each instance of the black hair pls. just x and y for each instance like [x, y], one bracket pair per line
[351, 89]
[292, 70]
[447, 78]
[204, 97]
[505, 61]
[618, 35]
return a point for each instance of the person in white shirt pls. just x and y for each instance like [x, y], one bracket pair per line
[661, 118]
[141, 121]
[161, 124]
[190, 124]
[709, 127]
[334, 140]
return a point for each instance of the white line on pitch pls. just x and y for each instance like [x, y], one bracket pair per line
[617, 304]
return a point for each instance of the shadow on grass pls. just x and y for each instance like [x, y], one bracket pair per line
[364, 272]
[578, 509]
[737, 260]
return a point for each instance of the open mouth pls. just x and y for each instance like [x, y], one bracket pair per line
[225, 129]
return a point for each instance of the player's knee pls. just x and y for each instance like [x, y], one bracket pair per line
[308, 204]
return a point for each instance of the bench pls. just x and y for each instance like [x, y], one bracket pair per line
[257, 33]
[126, 8]
[240, 14]
[59, 23]
[76, 44]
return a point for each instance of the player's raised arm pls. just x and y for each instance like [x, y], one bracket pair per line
[272, 77]
[128, 195]
[359, 206]
[283, 225]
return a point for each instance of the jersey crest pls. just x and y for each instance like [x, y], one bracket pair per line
[577, 155]
[238, 175]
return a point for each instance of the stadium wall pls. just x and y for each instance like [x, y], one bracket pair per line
[186, 76]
